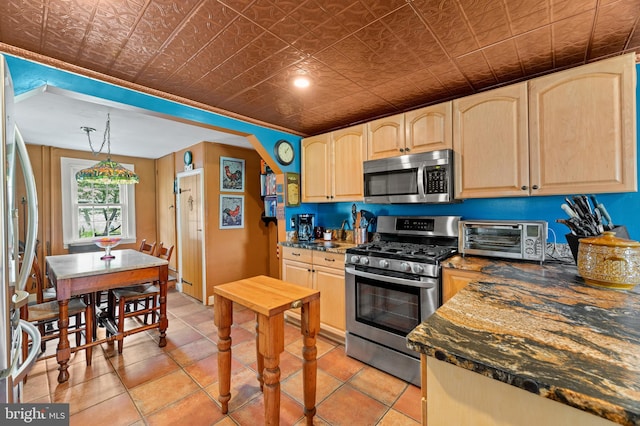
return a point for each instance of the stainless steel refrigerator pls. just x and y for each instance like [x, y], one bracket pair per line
[13, 277]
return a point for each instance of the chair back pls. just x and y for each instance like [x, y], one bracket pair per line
[164, 252]
[147, 248]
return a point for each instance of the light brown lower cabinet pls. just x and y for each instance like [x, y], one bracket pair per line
[454, 280]
[322, 271]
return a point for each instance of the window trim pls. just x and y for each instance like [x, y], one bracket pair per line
[69, 188]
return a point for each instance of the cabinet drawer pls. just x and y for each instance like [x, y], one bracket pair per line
[330, 260]
[298, 254]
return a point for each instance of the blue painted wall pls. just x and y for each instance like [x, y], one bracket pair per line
[624, 208]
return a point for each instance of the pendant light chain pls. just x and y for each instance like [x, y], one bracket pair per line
[105, 139]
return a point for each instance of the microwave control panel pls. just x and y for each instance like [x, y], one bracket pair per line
[436, 178]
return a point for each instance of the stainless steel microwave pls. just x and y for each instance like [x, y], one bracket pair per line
[413, 178]
[524, 240]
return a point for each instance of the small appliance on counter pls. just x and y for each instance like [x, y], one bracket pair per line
[509, 239]
[305, 223]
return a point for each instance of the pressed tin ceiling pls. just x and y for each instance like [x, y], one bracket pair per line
[365, 58]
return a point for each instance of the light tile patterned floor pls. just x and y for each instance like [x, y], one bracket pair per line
[177, 384]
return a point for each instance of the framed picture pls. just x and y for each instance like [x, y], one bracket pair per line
[231, 174]
[292, 189]
[231, 211]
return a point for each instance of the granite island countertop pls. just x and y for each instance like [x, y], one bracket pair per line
[542, 329]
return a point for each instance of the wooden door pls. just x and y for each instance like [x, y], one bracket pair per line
[490, 140]
[190, 233]
[385, 137]
[349, 150]
[582, 129]
[166, 204]
[429, 129]
[316, 173]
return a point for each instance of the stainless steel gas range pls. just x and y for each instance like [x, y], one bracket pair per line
[394, 284]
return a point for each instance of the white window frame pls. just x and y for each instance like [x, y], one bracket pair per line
[68, 169]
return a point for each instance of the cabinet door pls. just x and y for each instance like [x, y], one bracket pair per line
[490, 139]
[348, 155]
[316, 169]
[330, 282]
[454, 280]
[385, 137]
[429, 129]
[297, 273]
[582, 129]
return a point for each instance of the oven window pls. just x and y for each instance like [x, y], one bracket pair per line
[386, 306]
[400, 182]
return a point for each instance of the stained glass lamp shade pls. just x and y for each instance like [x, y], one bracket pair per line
[106, 171]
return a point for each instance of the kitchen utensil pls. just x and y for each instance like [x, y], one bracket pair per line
[360, 236]
[609, 261]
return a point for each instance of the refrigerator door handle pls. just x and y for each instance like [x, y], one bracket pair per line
[32, 203]
[34, 351]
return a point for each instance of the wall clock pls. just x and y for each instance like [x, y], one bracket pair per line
[284, 152]
[188, 160]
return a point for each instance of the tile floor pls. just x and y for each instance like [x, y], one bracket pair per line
[177, 384]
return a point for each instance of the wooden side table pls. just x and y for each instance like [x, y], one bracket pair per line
[268, 298]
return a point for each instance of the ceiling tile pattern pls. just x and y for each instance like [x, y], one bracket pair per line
[366, 58]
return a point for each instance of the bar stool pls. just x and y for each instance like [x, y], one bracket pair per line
[268, 298]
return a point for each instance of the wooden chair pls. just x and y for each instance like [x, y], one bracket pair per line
[147, 248]
[136, 301]
[45, 313]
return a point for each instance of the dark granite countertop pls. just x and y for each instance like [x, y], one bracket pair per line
[542, 329]
[320, 245]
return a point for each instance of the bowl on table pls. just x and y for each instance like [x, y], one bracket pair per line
[107, 243]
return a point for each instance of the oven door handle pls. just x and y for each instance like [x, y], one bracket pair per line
[428, 283]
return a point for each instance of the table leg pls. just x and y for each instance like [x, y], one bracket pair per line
[223, 318]
[259, 357]
[271, 344]
[164, 322]
[63, 352]
[310, 326]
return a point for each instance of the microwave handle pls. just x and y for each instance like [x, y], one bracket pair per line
[492, 225]
[421, 183]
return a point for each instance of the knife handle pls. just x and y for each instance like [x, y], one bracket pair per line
[568, 210]
[606, 216]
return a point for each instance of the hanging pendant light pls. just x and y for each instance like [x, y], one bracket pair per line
[106, 171]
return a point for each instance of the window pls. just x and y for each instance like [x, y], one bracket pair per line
[95, 210]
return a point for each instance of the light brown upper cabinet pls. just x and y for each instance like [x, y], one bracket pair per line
[490, 140]
[332, 166]
[582, 130]
[422, 130]
[429, 128]
[385, 137]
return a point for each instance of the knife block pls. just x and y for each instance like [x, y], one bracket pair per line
[574, 240]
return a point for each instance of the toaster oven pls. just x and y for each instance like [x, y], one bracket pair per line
[523, 240]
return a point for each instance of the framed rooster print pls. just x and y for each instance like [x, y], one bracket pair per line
[231, 211]
[231, 174]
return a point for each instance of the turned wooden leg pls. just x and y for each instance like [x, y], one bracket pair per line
[259, 357]
[162, 299]
[63, 352]
[310, 326]
[223, 318]
[271, 344]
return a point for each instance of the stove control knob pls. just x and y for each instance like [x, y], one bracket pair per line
[355, 259]
[418, 269]
[384, 263]
[405, 267]
[364, 260]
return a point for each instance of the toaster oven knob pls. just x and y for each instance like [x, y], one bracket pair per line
[364, 260]
[384, 263]
[405, 267]
[355, 259]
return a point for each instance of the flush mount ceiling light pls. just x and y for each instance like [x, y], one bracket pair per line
[106, 171]
[301, 82]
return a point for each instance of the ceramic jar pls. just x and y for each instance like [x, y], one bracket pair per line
[609, 261]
